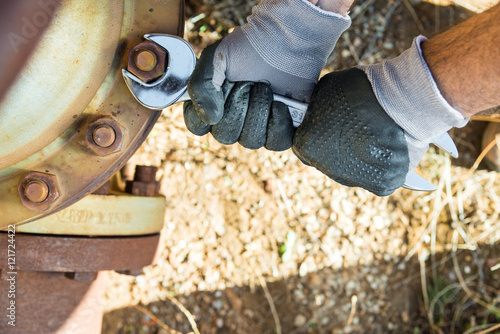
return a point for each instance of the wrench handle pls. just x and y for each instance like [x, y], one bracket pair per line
[297, 109]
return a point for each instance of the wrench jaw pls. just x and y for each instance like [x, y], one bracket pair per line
[416, 182]
[172, 85]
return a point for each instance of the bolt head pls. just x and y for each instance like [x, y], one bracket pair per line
[147, 61]
[105, 136]
[38, 191]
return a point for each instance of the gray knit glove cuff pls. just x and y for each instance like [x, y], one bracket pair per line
[405, 88]
[285, 43]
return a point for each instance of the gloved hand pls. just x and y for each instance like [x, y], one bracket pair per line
[370, 126]
[281, 49]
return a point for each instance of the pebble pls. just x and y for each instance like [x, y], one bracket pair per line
[300, 320]
[217, 304]
[319, 299]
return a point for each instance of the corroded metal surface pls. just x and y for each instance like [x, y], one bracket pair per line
[52, 303]
[144, 182]
[81, 254]
[58, 146]
[104, 215]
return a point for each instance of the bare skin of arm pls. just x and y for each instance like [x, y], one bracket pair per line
[465, 63]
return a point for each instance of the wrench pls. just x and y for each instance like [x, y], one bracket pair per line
[172, 88]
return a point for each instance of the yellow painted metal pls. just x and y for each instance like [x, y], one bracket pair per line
[104, 215]
[56, 144]
[61, 77]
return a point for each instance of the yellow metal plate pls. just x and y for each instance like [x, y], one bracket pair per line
[104, 215]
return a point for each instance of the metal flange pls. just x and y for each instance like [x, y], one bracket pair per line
[65, 88]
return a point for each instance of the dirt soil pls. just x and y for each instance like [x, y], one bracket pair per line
[256, 242]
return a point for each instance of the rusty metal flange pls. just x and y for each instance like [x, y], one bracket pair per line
[61, 148]
[80, 254]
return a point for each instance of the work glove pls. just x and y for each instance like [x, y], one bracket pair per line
[370, 126]
[282, 50]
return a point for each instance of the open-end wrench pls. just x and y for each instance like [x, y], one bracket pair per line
[172, 88]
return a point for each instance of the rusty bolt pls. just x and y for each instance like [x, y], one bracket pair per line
[105, 136]
[38, 191]
[147, 61]
[144, 183]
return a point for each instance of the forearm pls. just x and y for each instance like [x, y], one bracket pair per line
[337, 6]
[464, 62]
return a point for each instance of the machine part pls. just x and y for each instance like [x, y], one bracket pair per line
[22, 23]
[80, 254]
[147, 61]
[172, 85]
[50, 303]
[38, 191]
[144, 183]
[105, 136]
[117, 214]
[72, 79]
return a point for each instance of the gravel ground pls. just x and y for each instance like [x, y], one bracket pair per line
[256, 242]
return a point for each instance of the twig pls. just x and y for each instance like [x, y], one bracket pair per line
[361, 9]
[492, 328]
[414, 16]
[488, 330]
[354, 300]
[269, 298]
[434, 300]
[156, 319]
[184, 310]
[438, 207]
[284, 198]
[480, 158]
[352, 49]
[380, 30]
[471, 295]
[422, 257]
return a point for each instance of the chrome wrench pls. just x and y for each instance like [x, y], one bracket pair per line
[172, 88]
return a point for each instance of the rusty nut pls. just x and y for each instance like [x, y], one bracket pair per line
[105, 136]
[38, 191]
[138, 188]
[147, 61]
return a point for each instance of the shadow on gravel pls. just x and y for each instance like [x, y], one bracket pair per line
[388, 299]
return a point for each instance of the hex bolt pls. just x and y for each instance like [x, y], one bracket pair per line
[145, 60]
[145, 173]
[104, 136]
[144, 183]
[36, 191]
